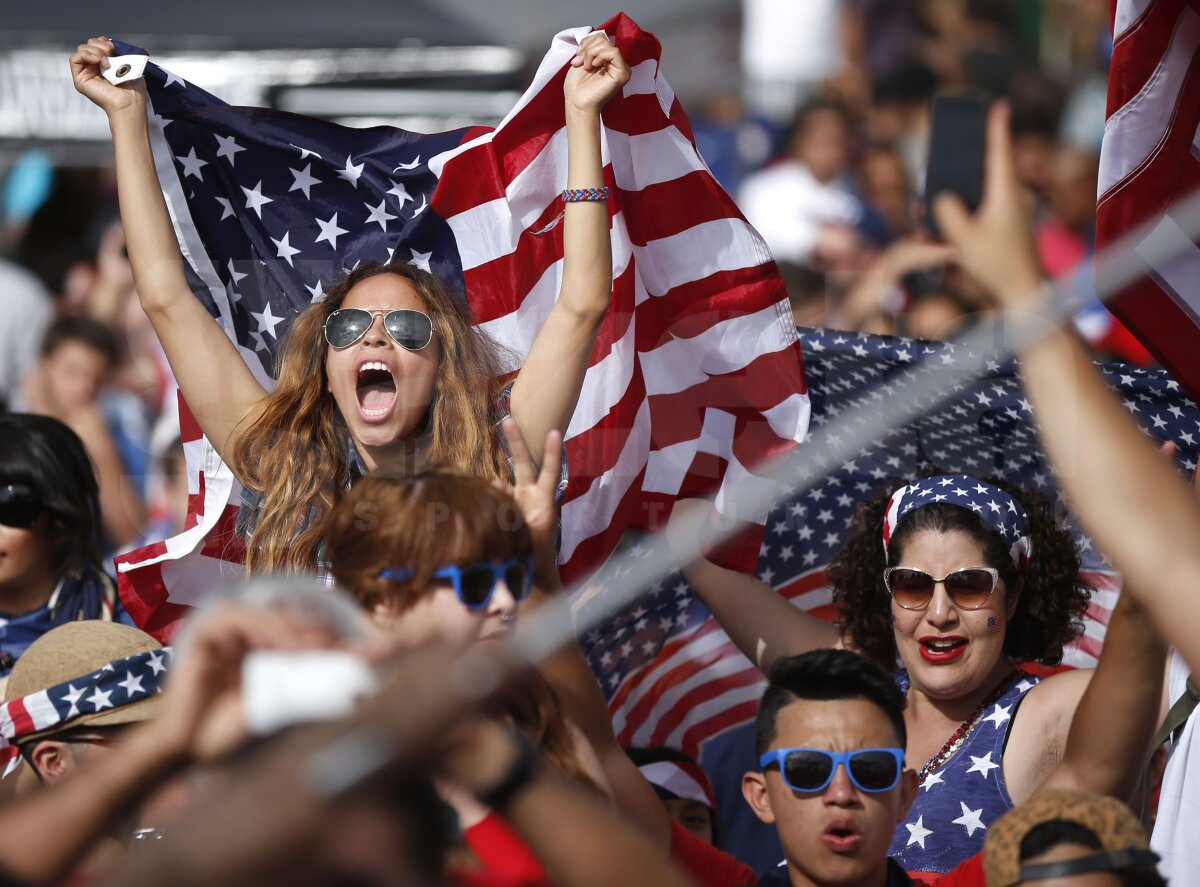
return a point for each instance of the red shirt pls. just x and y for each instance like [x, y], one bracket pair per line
[507, 862]
[968, 873]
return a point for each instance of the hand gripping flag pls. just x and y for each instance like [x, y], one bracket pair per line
[1150, 161]
[696, 375]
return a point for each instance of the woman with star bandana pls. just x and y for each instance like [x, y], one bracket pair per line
[958, 583]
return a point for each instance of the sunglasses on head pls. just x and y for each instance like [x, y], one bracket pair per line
[968, 589]
[410, 329]
[476, 583]
[812, 769]
[19, 508]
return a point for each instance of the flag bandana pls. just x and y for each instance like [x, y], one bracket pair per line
[120, 683]
[679, 780]
[696, 374]
[996, 508]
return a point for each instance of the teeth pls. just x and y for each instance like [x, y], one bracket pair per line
[374, 365]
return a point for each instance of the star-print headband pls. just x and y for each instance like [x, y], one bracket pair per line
[120, 683]
[998, 509]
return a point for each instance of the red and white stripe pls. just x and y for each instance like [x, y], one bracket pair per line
[696, 375]
[1149, 161]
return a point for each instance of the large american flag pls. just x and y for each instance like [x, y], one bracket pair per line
[672, 675]
[1150, 160]
[696, 375]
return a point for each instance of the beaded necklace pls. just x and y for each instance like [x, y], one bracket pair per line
[959, 736]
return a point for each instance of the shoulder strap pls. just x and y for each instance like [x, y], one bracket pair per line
[1176, 717]
[1178, 714]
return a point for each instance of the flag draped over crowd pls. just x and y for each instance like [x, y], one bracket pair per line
[1149, 162]
[696, 375]
[672, 675]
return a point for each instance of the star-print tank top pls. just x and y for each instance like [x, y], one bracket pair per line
[957, 802]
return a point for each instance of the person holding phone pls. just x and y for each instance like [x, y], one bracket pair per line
[388, 363]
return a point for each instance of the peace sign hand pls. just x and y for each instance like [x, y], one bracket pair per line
[535, 492]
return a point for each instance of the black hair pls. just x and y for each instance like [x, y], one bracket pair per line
[46, 455]
[657, 754]
[1050, 834]
[825, 675]
[809, 110]
[81, 329]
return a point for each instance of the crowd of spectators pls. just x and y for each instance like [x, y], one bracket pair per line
[427, 772]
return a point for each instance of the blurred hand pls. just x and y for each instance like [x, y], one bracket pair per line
[476, 753]
[597, 71]
[86, 64]
[910, 255]
[536, 493]
[201, 712]
[996, 245]
[112, 261]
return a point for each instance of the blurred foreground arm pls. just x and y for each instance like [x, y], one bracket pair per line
[1140, 512]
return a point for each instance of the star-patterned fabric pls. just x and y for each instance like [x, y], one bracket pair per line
[998, 509]
[119, 683]
[956, 802]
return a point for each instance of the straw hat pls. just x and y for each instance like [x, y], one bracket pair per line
[1122, 839]
[72, 651]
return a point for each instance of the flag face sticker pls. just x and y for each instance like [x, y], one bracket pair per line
[994, 625]
[696, 374]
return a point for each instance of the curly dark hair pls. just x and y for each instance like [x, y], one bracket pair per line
[1053, 599]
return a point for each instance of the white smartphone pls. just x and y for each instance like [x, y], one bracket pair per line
[284, 688]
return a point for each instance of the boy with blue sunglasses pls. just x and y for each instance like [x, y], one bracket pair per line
[830, 737]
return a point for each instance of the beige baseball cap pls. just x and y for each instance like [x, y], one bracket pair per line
[72, 651]
[1123, 841]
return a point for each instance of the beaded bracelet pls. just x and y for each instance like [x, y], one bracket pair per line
[583, 195]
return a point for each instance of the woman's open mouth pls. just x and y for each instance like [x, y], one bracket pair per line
[376, 390]
[942, 649]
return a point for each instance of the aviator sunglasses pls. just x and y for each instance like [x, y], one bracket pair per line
[476, 583]
[410, 329]
[968, 589]
[812, 769]
[18, 506]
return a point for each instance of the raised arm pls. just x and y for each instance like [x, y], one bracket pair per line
[1108, 740]
[1139, 511]
[218, 386]
[547, 387]
[566, 670]
[762, 623]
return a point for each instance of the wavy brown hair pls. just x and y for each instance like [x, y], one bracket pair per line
[294, 451]
[1053, 598]
[424, 520]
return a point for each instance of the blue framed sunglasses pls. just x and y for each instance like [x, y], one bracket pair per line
[476, 583]
[812, 769]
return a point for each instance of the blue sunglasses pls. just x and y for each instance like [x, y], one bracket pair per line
[476, 583]
[812, 769]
